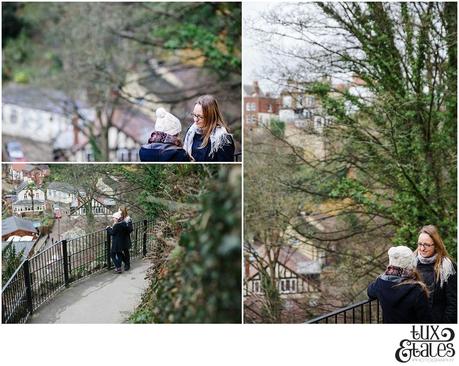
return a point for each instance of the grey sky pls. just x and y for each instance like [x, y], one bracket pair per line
[254, 58]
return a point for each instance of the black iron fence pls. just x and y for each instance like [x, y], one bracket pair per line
[40, 277]
[364, 312]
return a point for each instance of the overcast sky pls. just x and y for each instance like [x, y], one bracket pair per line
[253, 57]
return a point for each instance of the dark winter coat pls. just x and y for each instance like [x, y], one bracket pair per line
[443, 300]
[159, 151]
[224, 154]
[400, 303]
[120, 236]
[130, 229]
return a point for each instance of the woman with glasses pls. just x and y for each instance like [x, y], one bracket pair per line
[208, 138]
[439, 274]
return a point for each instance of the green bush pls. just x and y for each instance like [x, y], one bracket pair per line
[201, 282]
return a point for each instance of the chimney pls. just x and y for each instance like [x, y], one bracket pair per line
[256, 88]
[76, 130]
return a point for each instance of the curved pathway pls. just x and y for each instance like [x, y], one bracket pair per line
[104, 298]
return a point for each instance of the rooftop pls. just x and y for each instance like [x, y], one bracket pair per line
[14, 223]
[48, 100]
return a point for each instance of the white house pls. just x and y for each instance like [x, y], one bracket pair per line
[294, 272]
[24, 193]
[29, 200]
[60, 192]
[27, 206]
[38, 114]
[101, 206]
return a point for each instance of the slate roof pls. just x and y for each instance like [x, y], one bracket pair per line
[20, 245]
[28, 202]
[38, 98]
[62, 187]
[13, 223]
[290, 258]
[24, 185]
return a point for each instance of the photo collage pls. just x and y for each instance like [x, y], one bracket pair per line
[246, 163]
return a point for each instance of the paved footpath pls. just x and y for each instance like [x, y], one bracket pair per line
[105, 298]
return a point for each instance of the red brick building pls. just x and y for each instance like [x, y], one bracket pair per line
[259, 107]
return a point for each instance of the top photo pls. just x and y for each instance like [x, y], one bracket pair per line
[121, 82]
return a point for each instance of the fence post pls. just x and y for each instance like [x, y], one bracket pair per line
[144, 241]
[66, 262]
[107, 249]
[28, 286]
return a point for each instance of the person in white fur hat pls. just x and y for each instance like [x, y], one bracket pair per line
[401, 294]
[119, 232]
[164, 144]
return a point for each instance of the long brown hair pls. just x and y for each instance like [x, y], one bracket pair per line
[439, 247]
[415, 280]
[124, 212]
[211, 116]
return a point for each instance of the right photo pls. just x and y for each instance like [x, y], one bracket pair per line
[350, 167]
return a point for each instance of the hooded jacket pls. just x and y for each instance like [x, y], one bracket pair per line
[406, 303]
[120, 236]
[159, 152]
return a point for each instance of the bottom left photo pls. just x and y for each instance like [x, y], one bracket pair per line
[114, 244]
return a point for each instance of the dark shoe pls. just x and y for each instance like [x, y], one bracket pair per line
[118, 270]
[127, 267]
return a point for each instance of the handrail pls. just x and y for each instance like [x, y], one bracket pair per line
[42, 276]
[13, 275]
[357, 314]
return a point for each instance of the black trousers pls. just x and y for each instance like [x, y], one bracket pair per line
[118, 258]
[127, 257]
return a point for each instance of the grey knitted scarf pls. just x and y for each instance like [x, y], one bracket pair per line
[218, 138]
[447, 267]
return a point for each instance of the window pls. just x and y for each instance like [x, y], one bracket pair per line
[122, 155]
[251, 107]
[13, 116]
[270, 108]
[257, 286]
[287, 101]
[310, 101]
[251, 119]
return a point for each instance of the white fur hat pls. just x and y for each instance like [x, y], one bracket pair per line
[402, 257]
[167, 122]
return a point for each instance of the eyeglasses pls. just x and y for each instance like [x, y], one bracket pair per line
[425, 246]
[197, 116]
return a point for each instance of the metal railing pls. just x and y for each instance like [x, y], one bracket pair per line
[40, 277]
[363, 312]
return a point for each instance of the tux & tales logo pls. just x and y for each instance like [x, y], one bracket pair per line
[427, 343]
